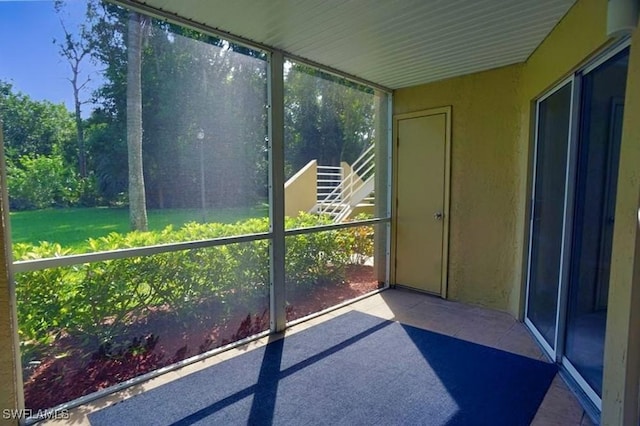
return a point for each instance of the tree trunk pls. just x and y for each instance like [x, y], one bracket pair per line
[82, 156]
[137, 199]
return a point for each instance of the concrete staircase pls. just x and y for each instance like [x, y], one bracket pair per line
[347, 190]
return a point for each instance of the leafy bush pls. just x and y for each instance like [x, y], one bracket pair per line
[315, 258]
[42, 181]
[96, 301]
[361, 241]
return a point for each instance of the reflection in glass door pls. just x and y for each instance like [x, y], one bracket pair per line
[600, 136]
[553, 123]
[572, 218]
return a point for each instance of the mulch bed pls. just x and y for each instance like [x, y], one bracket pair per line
[161, 338]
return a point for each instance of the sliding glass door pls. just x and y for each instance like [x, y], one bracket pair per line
[553, 116]
[578, 133]
[600, 134]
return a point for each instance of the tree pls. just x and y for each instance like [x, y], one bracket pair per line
[38, 148]
[41, 181]
[328, 119]
[189, 81]
[106, 131]
[34, 127]
[76, 49]
[137, 199]
[114, 135]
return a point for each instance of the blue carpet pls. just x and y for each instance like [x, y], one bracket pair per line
[355, 369]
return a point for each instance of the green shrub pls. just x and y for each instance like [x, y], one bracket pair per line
[360, 241]
[315, 258]
[97, 300]
[46, 298]
[42, 181]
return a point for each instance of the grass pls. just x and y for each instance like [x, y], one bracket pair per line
[71, 227]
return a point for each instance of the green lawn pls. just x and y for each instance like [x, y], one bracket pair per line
[73, 226]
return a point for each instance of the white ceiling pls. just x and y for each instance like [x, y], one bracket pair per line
[394, 43]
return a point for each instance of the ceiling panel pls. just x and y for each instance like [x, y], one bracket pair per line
[394, 43]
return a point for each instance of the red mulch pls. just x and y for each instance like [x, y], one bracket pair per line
[162, 338]
[360, 280]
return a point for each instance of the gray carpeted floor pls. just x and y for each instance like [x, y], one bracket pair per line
[354, 369]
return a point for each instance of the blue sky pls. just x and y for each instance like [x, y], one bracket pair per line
[28, 58]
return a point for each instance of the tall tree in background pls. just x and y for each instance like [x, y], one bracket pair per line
[106, 130]
[137, 198]
[76, 49]
[328, 118]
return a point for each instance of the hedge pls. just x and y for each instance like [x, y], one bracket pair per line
[97, 300]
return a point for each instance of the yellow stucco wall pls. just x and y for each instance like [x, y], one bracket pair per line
[577, 36]
[484, 161]
[491, 145]
[490, 188]
[300, 190]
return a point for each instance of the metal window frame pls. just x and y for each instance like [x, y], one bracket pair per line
[581, 382]
[277, 297]
[101, 256]
[551, 350]
[277, 233]
[389, 199]
[335, 226]
[603, 56]
[567, 220]
[217, 32]
[12, 301]
[563, 302]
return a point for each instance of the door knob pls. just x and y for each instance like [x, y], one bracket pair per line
[437, 215]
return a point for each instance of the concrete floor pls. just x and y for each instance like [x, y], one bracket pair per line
[471, 323]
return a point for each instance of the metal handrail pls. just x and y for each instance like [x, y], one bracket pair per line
[326, 176]
[340, 199]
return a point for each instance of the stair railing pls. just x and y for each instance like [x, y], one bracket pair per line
[341, 200]
[329, 178]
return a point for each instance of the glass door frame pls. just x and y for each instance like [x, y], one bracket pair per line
[563, 305]
[557, 352]
[553, 352]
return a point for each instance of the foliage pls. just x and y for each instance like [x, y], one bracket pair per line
[40, 154]
[190, 83]
[42, 181]
[96, 301]
[32, 128]
[318, 257]
[361, 241]
[327, 118]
